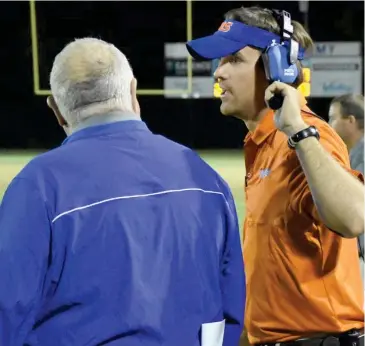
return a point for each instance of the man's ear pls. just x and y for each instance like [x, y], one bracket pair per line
[351, 119]
[135, 103]
[52, 104]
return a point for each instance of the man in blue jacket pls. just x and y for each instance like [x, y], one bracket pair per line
[119, 236]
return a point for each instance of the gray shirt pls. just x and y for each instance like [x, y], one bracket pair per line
[357, 163]
[357, 156]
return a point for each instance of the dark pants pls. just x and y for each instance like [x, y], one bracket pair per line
[351, 338]
[244, 340]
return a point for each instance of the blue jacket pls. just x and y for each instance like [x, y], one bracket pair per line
[119, 237]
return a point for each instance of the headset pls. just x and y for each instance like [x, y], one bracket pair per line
[280, 58]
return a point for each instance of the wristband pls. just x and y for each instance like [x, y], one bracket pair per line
[310, 131]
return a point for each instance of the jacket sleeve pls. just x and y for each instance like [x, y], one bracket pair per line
[24, 249]
[233, 282]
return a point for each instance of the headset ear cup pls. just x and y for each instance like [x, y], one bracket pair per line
[278, 67]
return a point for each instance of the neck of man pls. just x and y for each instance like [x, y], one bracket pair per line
[107, 118]
[253, 123]
[354, 139]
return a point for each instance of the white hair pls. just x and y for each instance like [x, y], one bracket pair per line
[89, 77]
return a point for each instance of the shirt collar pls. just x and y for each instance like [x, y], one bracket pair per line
[106, 119]
[103, 125]
[267, 125]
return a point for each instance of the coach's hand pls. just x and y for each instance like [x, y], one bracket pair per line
[288, 118]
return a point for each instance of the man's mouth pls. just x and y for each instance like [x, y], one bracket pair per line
[224, 92]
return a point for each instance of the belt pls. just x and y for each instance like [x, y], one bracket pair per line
[353, 337]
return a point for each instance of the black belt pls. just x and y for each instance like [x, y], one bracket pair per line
[354, 337]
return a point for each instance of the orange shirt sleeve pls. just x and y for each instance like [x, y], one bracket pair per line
[302, 201]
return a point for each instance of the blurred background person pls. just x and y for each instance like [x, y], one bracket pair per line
[117, 236]
[346, 115]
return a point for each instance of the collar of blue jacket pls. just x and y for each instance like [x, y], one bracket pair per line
[106, 124]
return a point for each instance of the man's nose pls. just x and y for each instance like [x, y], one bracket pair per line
[221, 72]
[218, 74]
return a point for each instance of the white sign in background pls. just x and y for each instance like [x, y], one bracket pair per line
[176, 71]
[333, 76]
[336, 69]
[337, 49]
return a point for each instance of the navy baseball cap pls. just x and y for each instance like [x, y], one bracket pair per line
[231, 37]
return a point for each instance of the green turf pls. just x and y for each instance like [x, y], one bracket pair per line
[230, 164]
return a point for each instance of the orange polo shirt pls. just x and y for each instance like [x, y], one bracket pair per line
[302, 279]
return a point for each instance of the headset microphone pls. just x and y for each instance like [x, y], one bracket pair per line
[276, 102]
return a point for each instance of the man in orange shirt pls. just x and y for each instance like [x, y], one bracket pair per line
[304, 204]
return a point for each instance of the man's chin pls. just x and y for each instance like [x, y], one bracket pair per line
[226, 110]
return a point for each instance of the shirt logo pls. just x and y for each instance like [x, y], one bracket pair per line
[225, 26]
[264, 172]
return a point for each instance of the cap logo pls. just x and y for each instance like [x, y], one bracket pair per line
[225, 26]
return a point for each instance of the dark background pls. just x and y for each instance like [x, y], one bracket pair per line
[139, 29]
